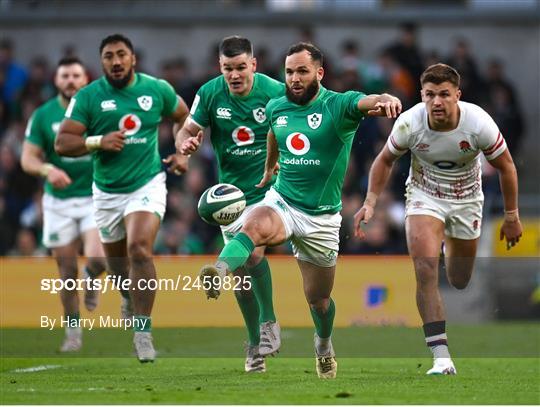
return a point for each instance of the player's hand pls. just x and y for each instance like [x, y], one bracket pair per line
[191, 145]
[389, 106]
[177, 163]
[512, 231]
[266, 178]
[113, 141]
[276, 169]
[361, 219]
[58, 178]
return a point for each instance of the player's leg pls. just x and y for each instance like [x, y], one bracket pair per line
[118, 266]
[66, 259]
[95, 264]
[255, 303]
[461, 242]
[250, 312]
[318, 283]
[424, 237]
[141, 229]
[60, 234]
[315, 244]
[459, 259]
[263, 227]
[108, 214]
[261, 284]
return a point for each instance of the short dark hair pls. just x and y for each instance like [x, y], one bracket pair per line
[316, 54]
[113, 39]
[439, 73]
[235, 45]
[69, 61]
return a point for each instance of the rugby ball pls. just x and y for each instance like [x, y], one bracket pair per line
[221, 204]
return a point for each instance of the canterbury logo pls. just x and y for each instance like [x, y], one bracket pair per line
[108, 105]
[281, 121]
[223, 113]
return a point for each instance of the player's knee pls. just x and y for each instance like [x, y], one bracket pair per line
[426, 276]
[139, 250]
[96, 264]
[459, 282]
[258, 231]
[67, 268]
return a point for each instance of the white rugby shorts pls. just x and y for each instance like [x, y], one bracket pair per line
[314, 238]
[462, 220]
[229, 231]
[65, 220]
[111, 209]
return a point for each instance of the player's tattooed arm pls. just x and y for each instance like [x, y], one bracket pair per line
[511, 228]
[380, 105]
[272, 154]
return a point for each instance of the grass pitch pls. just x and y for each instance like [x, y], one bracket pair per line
[205, 366]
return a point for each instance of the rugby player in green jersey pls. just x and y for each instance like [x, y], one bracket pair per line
[233, 107]
[120, 114]
[68, 217]
[311, 133]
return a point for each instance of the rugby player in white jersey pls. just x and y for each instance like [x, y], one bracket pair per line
[444, 193]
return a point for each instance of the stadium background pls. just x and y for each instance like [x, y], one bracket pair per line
[369, 45]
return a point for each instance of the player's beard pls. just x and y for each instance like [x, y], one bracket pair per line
[303, 99]
[67, 97]
[122, 82]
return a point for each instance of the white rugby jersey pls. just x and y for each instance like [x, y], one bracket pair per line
[447, 164]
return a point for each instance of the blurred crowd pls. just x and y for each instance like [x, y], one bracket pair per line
[396, 70]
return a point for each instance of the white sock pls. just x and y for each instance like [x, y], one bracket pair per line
[323, 345]
[73, 332]
[440, 351]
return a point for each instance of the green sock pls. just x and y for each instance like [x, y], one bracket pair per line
[237, 251]
[324, 322]
[250, 312]
[261, 285]
[125, 294]
[142, 323]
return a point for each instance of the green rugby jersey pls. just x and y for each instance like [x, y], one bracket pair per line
[238, 130]
[314, 143]
[41, 131]
[138, 108]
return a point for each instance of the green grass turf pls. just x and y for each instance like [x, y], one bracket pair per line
[106, 371]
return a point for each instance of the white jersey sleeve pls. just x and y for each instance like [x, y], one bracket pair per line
[490, 139]
[400, 138]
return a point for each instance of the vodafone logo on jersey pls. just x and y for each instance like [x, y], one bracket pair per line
[131, 123]
[298, 143]
[243, 136]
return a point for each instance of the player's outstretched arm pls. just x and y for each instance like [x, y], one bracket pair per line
[32, 162]
[511, 228]
[272, 154]
[189, 138]
[378, 177]
[71, 142]
[380, 105]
